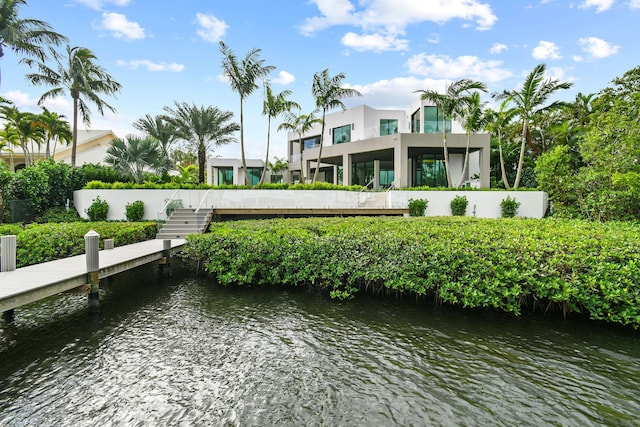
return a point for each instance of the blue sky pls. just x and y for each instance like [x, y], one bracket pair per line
[164, 51]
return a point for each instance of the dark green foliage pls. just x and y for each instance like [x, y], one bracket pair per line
[32, 185]
[509, 207]
[98, 210]
[99, 172]
[99, 185]
[135, 211]
[508, 264]
[459, 206]
[38, 243]
[59, 214]
[417, 207]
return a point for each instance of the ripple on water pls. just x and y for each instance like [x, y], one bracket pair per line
[186, 353]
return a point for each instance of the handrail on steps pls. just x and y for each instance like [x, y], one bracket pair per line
[169, 201]
[202, 201]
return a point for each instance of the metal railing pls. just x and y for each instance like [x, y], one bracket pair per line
[365, 190]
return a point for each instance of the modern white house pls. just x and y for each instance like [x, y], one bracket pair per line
[230, 171]
[92, 148]
[403, 148]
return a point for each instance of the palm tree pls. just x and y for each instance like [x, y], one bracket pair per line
[300, 124]
[242, 78]
[529, 100]
[56, 129]
[25, 128]
[328, 93]
[497, 122]
[273, 106]
[473, 119]
[202, 126]
[135, 155]
[27, 37]
[455, 97]
[85, 81]
[160, 128]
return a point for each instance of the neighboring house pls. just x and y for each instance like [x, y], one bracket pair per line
[230, 171]
[403, 148]
[92, 148]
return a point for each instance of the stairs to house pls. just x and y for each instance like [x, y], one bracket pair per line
[185, 221]
[372, 200]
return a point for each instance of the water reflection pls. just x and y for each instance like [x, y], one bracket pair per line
[183, 352]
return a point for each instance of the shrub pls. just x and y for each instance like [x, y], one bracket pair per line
[98, 210]
[59, 214]
[32, 185]
[135, 211]
[509, 207]
[417, 207]
[172, 206]
[459, 206]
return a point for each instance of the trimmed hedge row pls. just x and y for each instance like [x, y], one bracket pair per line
[99, 185]
[38, 243]
[504, 264]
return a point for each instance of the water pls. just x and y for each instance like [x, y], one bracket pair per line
[182, 351]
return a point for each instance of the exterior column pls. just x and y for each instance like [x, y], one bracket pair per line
[335, 174]
[401, 163]
[485, 167]
[376, 174]
[346, 169]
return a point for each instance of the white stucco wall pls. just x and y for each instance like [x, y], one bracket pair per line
[485, 204]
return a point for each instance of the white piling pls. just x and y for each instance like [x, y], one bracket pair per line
[8, 253]
[92, 248]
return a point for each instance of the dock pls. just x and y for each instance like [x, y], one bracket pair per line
[35, 282]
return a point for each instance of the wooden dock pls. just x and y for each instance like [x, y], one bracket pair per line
[35, 282]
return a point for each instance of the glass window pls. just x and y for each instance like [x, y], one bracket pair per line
[433, 120]
[254, 175]
[362, 173]
[429, 171]
[415, 122]
[225, 176]
[312, 142]
[388, 127]
[342, 134]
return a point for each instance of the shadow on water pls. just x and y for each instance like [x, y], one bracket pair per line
[182, 350]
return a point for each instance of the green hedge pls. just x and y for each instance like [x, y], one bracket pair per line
[512, 265]
[99, 185]
[38, 243]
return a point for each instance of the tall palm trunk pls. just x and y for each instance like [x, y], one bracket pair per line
[247, 179]
[505, 179]
[266, 158]
[446, 151]
[315, 175]
[466, 160]
[202, 160]
[74, 143]
[516, 184]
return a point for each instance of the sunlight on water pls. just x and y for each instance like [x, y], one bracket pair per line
[181, 352]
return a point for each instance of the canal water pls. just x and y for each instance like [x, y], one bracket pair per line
[183, 351]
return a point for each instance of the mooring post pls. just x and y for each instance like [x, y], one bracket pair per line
[92, 248]
[8, 263]
[166, 253]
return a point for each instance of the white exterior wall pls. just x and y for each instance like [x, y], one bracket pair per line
[486, 203]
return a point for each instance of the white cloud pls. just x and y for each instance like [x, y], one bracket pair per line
[284, 78]
[546, 50]
[634, 4]
[98, 4]
[211, 29]
[597, 47]
[24, 101]
[151, 66]
[381, 21]
[122, 28]
[445, 67]
[374, 42]
[434, 38]
[600, 5]
[497, 48]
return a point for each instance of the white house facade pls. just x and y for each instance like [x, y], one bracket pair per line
[404, 148]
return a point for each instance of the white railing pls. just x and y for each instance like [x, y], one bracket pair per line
[365, 190]
[171, 204]
[203, 200]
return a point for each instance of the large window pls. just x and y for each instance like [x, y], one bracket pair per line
[433, 120]
[254, 175]
[388, 127]
[429, 170]
[362, 173]
[342, 134]
[225, 176]
[312, 142]
[415, 122]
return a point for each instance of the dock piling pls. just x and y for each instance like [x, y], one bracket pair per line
[166, 253]
[8, 263]
[92, 248]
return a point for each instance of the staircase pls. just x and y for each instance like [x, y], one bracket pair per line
[185, 221]
[376, 200]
